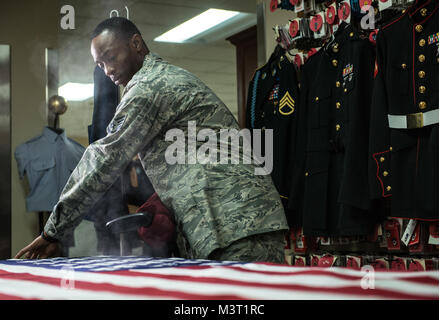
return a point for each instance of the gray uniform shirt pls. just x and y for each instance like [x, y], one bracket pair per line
[214, 205]
[47, 160]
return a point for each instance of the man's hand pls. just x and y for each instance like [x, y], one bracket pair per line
[39, 249]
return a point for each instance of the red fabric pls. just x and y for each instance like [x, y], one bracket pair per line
[311, 52]
[162, 228]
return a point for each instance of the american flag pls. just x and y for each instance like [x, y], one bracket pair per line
[119, 278]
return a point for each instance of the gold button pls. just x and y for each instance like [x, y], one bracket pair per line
[419, 28]
[335, 48]
[422, 42]
[438, 60]
[404, 66]
[338, 105]
[421, 74]
[390, 148]
[345, 90]
[338, 84]
[389, 188]
[282, 58]
[306, 174]
[421, 58]
[403, 11]
[422, 89]
[334, 63]
[424, 12]
[382, 159]
[317, 98]
[385, 173]
[422, 105]
[351, 34]
[337, 127]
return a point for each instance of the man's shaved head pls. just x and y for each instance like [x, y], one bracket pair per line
[121, 27]
[118, 48]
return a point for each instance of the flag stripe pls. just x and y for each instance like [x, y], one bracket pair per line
[355, 289]
[83, 285]
[31, 290]
[176, 278]
[339, 288]
[9, 297]
[428, 279]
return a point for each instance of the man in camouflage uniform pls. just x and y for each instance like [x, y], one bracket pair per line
[222, 211]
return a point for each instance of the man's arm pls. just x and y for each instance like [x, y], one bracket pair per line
[136, 123]
[133, 126]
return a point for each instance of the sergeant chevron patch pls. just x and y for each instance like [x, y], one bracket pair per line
[116, 124]
[288, 102]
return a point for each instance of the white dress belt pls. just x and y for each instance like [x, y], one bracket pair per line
[414, 120]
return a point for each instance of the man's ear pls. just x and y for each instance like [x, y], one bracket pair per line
[136, 42]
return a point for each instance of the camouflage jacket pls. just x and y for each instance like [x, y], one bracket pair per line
[213, 204]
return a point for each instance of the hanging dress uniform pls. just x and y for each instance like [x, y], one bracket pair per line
[404, 134]
[330, 178]
[271, 104]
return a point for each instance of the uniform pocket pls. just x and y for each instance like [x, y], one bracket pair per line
[318, 139]
[41, 165]
[41, 172]
[316, 190]
[399, 76]
[316, 162]
[403, 163]
[402, 139]
[320, 105]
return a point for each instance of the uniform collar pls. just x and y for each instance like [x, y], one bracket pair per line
[344, 33]
[51, 135]
[422, 10]
[149, 59]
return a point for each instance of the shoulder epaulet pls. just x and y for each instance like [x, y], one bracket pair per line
[258, 69]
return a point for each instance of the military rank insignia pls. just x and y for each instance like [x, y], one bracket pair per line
[116, 124]
[433, 38]
[286, 104]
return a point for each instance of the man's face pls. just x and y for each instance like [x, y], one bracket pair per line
[116, 56]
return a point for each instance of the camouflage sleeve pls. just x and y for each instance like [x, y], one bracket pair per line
[137, 121]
